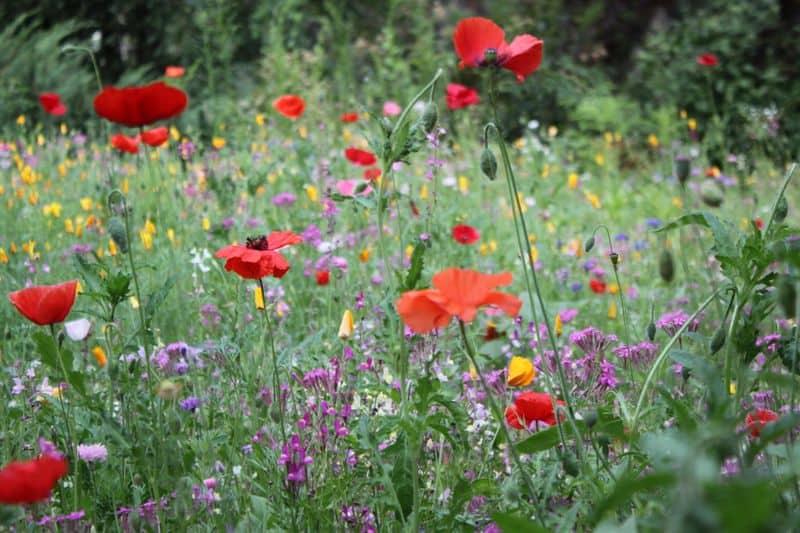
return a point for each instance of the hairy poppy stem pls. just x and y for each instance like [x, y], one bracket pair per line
[524, 244]
[501, 420]
[71, 444]
[614, 257]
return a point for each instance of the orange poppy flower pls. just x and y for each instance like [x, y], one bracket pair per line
[479, 42]
[259, 257]
[457, 292]
[290, 106]
[45, 304]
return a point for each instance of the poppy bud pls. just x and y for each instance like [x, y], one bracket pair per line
[387, 126]
[781, 210]
[786, 295]
[570, 465]
[666, 266]
[489, 164]
[116, 228]
[682, 169]
[605, 444]
[711, 193]
[718, 340]
[651, 331]
[589, 245]
[429, 117]
[614, 256]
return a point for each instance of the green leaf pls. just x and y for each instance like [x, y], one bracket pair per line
[158, 297]
[47, 349]
[415, 270]
[512, 523]
[625, 488]
[540, 441]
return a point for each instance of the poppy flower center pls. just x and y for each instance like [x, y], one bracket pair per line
[258, 243]
[490, 56]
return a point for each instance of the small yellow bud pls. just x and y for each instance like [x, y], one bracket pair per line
[347, 326]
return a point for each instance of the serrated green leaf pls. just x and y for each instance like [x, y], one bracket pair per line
[415, 270]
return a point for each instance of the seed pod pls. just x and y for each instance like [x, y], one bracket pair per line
[718, 340]
[782, 209]
[651, 331]
[570, 465]
[489, 164]
[429, 117]
[682, 169]
[387, 126]
[116, 228]
[786, 294]
[605, 444]
[711, 193]
[666, 266]
[590, 418]
[589, 245]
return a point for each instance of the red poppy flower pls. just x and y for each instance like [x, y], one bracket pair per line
[457, 292]
[27, 482]
[597, 286]
[45, 304]
[323, 277]
[479, 42]
[707, 60]
[155, 137]
[360, 157]
[290, 106]
[459, 96]
[530, 407]
[756, 421]
[759, 223]
[348, 118]
[173, 71]
[465, 234]
[140, 106]
[259, 257]
[372, 174]
[123, 143]
[51, 103]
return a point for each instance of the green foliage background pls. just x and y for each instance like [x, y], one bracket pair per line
[239, 55]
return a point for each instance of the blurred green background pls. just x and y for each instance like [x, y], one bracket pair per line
[610, 65]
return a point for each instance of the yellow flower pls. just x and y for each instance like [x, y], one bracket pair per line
[692, 124]
[260, 119]
[612, 310]
[683, 114]
[303, 131]
[559, 326]
[174, 133]
[134, 302]
[732, 388]
[125, 186]
[29, 248]
[311, 191]
[169, 390]
[423, 194]
[3, 256]
[100, 356]
[600, 159]
[552, 131]
[593, 199]
[409, 251]
[171, 235]
[572, 181]
[53, 210]
[463, 184]
[520, 372]
[86, 204]
[112, 247]
[147, 239]
[347, 326]
[677, 202]
[218, 143]
[63, 129]
[364, 255]
[258, 296]
[652, 140]
[206, 224]
[21, 120]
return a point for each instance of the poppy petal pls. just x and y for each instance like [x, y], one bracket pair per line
[422, 313]
[524, 56]
[509, 303]
[473, 36]
[281, 239]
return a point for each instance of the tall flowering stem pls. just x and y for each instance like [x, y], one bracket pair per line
[276, 382]
[71, 443]
[501, 420]
[614, 257]
[531, 278]
[654, 369]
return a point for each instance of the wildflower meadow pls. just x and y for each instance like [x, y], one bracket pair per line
[265, 269]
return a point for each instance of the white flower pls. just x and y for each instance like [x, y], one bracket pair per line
[78, 330]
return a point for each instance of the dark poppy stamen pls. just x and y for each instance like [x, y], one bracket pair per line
[258, 243]
[490, 56]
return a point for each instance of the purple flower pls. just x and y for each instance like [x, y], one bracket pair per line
[92, 453]
[284, 199]
[190, 404]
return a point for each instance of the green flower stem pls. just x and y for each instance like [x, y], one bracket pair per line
[530, 270]
[501, 420]
[71, 444]
[662, 356]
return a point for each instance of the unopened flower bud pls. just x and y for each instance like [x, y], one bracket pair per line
[590, 418]
[589, 244]
[614, 256]
[651, 331]
[429, 117]
[682, 169]
[666, 266]
[116, 228]
[570, 465]
[782, 209]
[718, 340]
[711, 193]
[488, 164]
